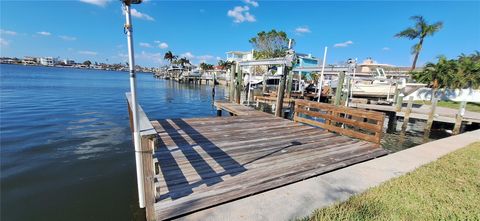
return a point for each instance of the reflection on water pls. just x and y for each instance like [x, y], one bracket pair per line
[66, 151]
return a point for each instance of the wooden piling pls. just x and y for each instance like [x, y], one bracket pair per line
[338, 93]
[459, 118]
[392, 122]
[399, 100]
[406, 117]
[147, 148]
[264, 84]
[280, 93]
[239, 84]
[289, 83]
[231, 88]
[431, 115]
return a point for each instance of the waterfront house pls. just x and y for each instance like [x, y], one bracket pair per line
[48, 61]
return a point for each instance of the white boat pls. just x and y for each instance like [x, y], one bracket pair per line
[381, 86]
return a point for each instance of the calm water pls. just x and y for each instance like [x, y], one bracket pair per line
[66, 150]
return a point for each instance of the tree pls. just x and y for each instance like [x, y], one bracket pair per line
[225, 64]
[170, 57]
[421, 30]
[270, 44]
[87, 63]
[183, 61]
[204, 66]
[458, 73]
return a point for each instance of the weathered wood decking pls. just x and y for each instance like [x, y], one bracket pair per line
[203, 162]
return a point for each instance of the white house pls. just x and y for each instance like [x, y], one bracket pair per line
[48, 61]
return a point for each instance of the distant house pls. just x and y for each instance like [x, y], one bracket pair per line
[369, 65]
[48, 61]
[239, 56]
[306, 61]
[68, 62]
[27, 60]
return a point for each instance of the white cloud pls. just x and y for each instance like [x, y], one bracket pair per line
[44, 33]
[219, 58]
[204, 58]
[140, 15]
[7, 32]
[67, 38]
[4, 42]
[163, 45]
[188, 55]
[386, 49]
[88, 52]
[157, 42]
[302, 30]
[241, 14]
[152, 57]
[101, 3]
[251, 2]
[146, 45]
[343, 44]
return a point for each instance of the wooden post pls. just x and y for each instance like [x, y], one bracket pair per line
[289, 83]
[264, 84]
[231, 88]
[392, 122]
[406, 117]
[148, 144]
[280, 93]
[338, 93]
[426, 131]
[459, 118]
[396, 92]
[219, 112]
[399, 100]
[239, 83]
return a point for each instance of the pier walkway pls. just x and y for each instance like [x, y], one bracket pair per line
[446, 115]
[200, 163]
[302, 198]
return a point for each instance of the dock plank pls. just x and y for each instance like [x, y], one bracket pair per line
[208, 161]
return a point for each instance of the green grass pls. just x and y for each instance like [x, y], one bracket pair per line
[474, 107]
[447, 189]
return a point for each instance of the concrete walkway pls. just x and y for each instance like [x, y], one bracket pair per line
[302, 198]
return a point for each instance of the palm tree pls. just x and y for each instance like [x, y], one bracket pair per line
[170, 57]
[421, 30]
[183, 61]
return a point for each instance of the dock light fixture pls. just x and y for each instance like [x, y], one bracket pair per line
[134, 106]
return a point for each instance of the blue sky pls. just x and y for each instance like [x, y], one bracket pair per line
[205, 30]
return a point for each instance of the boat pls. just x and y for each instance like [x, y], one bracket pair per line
[379, 86]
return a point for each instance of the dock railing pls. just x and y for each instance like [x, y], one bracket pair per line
[148, 139]
[360, 124]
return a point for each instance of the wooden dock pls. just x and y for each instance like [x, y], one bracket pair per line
[445, 115]
[203, 162]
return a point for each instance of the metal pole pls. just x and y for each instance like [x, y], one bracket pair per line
[133, 91]
[320, 81]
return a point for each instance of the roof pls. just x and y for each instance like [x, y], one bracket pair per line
[238, 52]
